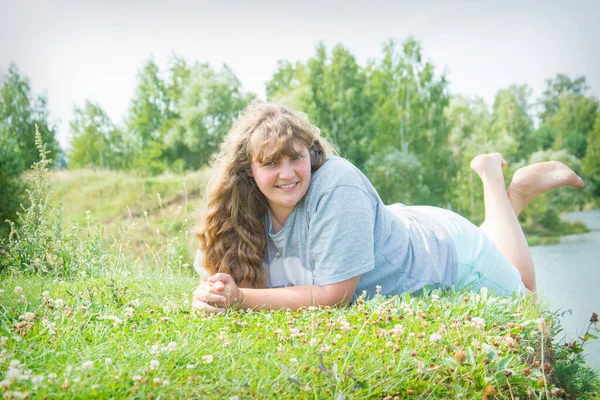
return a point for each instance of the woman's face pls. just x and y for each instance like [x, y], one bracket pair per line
[284, 182]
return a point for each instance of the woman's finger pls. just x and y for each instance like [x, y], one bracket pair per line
[202, 306]
[209, 296]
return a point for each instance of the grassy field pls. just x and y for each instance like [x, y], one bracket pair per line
[97, 305]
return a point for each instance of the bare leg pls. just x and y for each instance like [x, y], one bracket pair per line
[533, 180]
[501, 223]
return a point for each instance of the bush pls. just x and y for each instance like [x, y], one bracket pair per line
[12, 189]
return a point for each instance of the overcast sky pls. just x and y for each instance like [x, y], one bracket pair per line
[89, 49]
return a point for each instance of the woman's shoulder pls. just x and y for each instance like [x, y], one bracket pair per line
[337, 171]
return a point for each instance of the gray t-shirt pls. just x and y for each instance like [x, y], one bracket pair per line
[342, 229]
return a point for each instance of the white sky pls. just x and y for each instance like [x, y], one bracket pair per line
[89, 49]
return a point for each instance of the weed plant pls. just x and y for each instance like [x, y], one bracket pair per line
[81, 318]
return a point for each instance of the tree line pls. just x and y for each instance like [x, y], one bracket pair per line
[394, 118]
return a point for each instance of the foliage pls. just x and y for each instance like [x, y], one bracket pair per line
[39, 243]
[12, 189]
[591, 161]
[96, 141]
[20, 112]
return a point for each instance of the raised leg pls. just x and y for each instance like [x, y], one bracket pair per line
[501, 223]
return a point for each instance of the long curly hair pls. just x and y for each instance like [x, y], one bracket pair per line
[232, 232]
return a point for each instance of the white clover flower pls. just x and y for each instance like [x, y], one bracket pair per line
[1, 292]
[269, 317]
[530, 349]
[45, 295]
[95, 386]
[37, 379]
[397, 330]
[156, 381]
[171, 346]
[18, 290]
[52, 377]
[136, 378]
[154, 349]
[87, 365]
[435, 337]
[15, 364]
[154, 364]
[207, 358]
[312, 342]
[312, 308]
[294, 360]
[190, 366]
[478, 323]
[28, 316]
[13, 375]
[166, 382]
[107, 361]
[59, 303]
[5, 384]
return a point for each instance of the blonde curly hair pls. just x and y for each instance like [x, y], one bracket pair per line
[232, 232]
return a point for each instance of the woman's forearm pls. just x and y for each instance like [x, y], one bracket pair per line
[295, 297]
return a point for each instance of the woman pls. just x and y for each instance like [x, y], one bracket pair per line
[291, 225]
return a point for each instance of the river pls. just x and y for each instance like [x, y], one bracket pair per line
[568, 277]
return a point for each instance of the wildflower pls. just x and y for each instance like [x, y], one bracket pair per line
[166, 382]
[378, 289]
[59, 303]
[15, 364]
[28, 316]
[207, 358]
[137, 378]
[460, 356]
[87, 365]
[478, 323]
[154, 349]
[1, 292]
[397, 330]
[154, 364]
[18, 290]
[156, 381]
[294, 360]
[52, 377]
[3, 341]
[171, 346]
[128, 312]
[95, 386]
[594, 318]
[107, 361]
[190, 366]
[530, 349]
[5, 385]
[435, 337]
[312, 342]
[37, 379]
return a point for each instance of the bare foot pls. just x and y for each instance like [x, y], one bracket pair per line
[486, 164]
[533, 180]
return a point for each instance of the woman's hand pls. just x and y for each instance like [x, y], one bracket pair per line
[217, 293]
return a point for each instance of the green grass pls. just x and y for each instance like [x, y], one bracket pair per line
[86, 316]
[432, 346]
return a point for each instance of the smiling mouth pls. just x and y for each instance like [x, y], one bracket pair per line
[288, 186]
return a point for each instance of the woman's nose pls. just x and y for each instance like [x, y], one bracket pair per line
[286, 170]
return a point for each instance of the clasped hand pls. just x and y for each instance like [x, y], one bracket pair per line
[216, 294]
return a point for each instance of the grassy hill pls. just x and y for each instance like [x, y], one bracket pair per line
[151, 209]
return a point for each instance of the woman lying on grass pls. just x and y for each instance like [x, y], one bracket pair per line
[291, 225]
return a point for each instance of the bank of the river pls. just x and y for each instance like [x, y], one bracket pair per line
[568, 275]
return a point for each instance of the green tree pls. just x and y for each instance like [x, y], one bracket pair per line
[556, 88]
[12, 189]
[469, 136]
[337, 102]
[408, 114]
[20, 112]
[209, 104]
[572, 123]
[591, 161]
[512, 126]
[95, 140]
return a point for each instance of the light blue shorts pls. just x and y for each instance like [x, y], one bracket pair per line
[480, 262]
